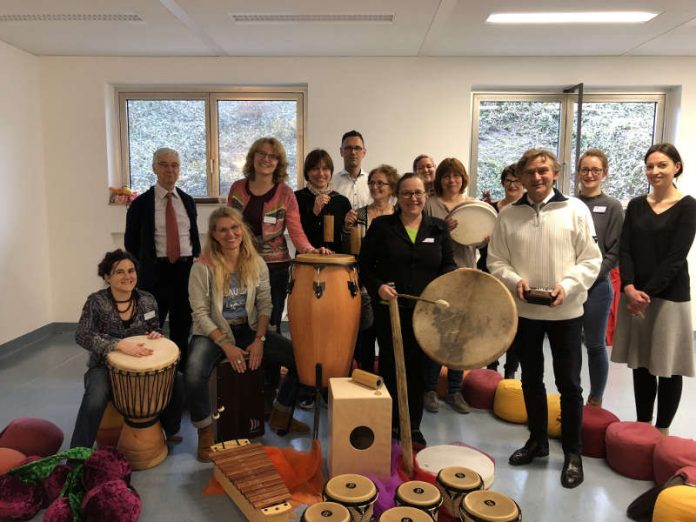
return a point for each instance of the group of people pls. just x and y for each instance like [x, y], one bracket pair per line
[230, 296]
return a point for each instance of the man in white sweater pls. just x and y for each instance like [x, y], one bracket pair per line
[546, 241]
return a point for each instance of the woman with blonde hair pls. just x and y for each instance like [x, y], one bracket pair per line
[231, 305]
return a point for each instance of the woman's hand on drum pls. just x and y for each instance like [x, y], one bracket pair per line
[321, 250]
[351, 219]
[387, 293]
[133, 348]
[255, 351]
[320, 202]
[154, 334]
[236, 357]
[451, 223]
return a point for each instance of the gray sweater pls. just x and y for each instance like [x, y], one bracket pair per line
[607, 215]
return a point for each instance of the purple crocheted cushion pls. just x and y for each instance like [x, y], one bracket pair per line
[112, 501]
[53, 484]
[18, 500]
[105, 465]
[59, 511]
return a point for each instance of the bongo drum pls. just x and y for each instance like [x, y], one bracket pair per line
[475, 222]
[355, 492]
[489, 506]
[324, 314]
[434, 459]
[420, 495]
[404, 514]
[326, 512]
[477, 328]
[141, 389]
[455, 483]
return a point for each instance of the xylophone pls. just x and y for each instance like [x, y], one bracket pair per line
[247, 475]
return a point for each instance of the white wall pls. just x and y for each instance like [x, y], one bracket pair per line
[403, 106]
[26, 296]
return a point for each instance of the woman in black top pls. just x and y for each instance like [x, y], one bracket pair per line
[402, 253]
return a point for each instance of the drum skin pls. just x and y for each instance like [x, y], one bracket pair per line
[326, 512]
[324, 314]
[489, 506]
[478, 326]
[355, 492]
[475, 222]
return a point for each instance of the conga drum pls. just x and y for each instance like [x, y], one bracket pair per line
[326, 512]
[478, 326]
[420, 495]
[324, 314]
[455, 483]
[141, 388]
[355, 492]
[490, 506]
[475, 222]
[404, 514]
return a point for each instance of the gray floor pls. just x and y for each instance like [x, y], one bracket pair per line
[44, 380]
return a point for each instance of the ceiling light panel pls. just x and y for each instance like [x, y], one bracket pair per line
[311, 18]
[66, 17]
[578, 17]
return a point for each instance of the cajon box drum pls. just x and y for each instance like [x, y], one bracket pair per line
[238, 403]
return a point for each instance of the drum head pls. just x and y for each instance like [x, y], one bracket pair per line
[419, 494]
[405, 514]
[477, 328]
[459, 478]
[326, 512]
[165, 353]
[433, 459]
[475, 222]
[350, 489]
[320, 259]
[490, 506]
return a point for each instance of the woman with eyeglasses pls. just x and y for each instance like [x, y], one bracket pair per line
[654, 334]
[402, 253]
[607, 214]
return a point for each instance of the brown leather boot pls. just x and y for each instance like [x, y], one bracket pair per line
[282, 423]
[205, 440]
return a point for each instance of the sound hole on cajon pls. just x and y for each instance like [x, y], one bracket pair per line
[362, 437]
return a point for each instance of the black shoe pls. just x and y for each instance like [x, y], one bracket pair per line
[531, 450]
[572, 474]
[418, 439]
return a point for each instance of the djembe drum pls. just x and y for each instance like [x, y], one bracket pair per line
[141, 388]
[324, 314]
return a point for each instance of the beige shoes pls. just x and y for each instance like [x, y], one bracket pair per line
[430, 402]
[206, 439]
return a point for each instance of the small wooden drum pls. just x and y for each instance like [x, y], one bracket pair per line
[477, 328]
[404, 514]
[324, 314]
[142, 387]
[489, 506]
[420, 495]
[434, 459]
[455, 483]
[475, 222]
[355, 492]
[326, 512]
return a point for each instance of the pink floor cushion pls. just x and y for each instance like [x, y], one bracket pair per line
[595, 422]
[479, 388]
[19, 500]
[32, 436]
[630, 448]
[672, 454]
[9, 458]
[112, 501]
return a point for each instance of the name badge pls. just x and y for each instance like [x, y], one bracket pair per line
[599, 210]
[429, 240]
[149, 315]
[270, 220]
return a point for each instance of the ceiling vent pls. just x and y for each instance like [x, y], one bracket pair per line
[70, 18]
[281, 18]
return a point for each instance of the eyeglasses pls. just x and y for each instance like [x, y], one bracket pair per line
[408, 194]
[512, 182]
[596, 171]
[355, 148]
[164, 165]
[374, 183]
[267, 155]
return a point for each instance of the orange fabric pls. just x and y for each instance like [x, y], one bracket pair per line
[615, 279]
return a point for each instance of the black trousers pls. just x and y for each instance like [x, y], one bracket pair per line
[566, 350]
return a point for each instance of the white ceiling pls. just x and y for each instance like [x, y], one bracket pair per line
[420, 28]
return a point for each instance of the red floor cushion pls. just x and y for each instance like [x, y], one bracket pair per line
[479, 388]
[671, 454]
[9, 458]
[630, 448]
[32, 436]
[595, 422]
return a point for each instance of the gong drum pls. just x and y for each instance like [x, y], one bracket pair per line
[142, 387]
[475, 222]
[478, 326]
[324, 314]
[420, 495]
[355, 492]
[490, 506]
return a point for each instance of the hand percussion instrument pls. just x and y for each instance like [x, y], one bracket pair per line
[324, 314]
[478, 326]
[490, 506]
[238, 403]
[141, 389]
[326, 512]
[455, 483]
[355, 492]
[420, 495]
[434, 459]
[475, 222]
[404, 514]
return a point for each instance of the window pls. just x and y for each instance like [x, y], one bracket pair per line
[624, 126]
[212, 132]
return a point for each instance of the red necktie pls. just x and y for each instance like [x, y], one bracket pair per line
[173, 249]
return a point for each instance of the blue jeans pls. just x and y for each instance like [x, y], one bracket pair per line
[205, 355]
[594, 324]
[432, 374]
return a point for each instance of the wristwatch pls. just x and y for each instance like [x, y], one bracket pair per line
[261, 338]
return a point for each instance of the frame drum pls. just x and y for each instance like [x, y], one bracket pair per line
[141, 388]
[324, 314]
[455, 483]
[434, 459]
[489, 506]
[355, 492]
[404, 514]
[475, 222]
[420, 495]
[477, 328]
[326, 512]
